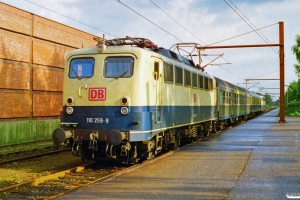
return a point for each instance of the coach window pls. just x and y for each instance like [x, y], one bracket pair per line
[187, 78]
[194, 80]
[221, 97]
[227, 97]
[200, 79]
[156, 70]
[178, 76]
[118, 67]
[234, 98]
[211, 84]
[82, 68]
[241, 97]
[168, 73]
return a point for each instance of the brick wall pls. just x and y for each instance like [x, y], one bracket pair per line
[32, 53]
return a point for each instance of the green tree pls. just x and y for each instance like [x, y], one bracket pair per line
[269, 102]
[293, 92]
[296, 51]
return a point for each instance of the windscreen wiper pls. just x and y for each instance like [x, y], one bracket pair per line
[76, 73]
[121, 75]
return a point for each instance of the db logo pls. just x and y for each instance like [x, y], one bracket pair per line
[97, 94]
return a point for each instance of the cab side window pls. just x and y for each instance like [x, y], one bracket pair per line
[168, 73]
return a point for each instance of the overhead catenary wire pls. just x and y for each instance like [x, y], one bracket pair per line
[141, 16]
[191, 33]
[257, 32]
[149, 20]
[14, 13]
[199, 39]
[266, 74]
[71, 18]
[241, 35]
[232, 73]
[176, 21]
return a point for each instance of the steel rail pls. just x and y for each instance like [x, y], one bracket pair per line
[45, 178]
[31, 156]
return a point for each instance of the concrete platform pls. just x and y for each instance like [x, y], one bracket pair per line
[259, 159]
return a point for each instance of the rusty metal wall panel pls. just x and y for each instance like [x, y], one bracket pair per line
[47, 53]
[14, 19]
[14, 105]
[47, 105]
[14, 46]
[47, 79]
[14, 75]
[54, 31]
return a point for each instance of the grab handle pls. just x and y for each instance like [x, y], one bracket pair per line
[79, 92]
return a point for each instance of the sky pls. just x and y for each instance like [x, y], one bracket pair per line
[207, 22]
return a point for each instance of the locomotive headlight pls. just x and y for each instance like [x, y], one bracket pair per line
[69, 110]
[70, 100]
[125, 100]
[124, 110]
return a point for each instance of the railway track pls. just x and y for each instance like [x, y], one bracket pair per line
[23, 155]
[54, 185]
[57, 184]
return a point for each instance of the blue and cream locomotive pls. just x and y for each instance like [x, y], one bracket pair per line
[126, 100]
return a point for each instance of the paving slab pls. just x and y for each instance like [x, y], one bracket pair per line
[259, 159]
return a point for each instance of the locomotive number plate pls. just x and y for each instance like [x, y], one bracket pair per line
[97, 94]
[97, 120]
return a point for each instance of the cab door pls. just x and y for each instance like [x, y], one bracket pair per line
[157, 67]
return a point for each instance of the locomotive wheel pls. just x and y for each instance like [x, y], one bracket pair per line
[206, 133]
[196, 138]
[175, 145]
[55, 146]
[178, 140]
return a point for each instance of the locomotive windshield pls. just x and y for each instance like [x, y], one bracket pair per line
[118, 67]
[81, 68]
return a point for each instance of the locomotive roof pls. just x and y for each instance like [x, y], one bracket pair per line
[170, 54]
[129, 42]
[145, 44]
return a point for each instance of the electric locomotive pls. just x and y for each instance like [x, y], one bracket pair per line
[126, 99]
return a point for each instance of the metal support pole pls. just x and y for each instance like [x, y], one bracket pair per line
[281, 66]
